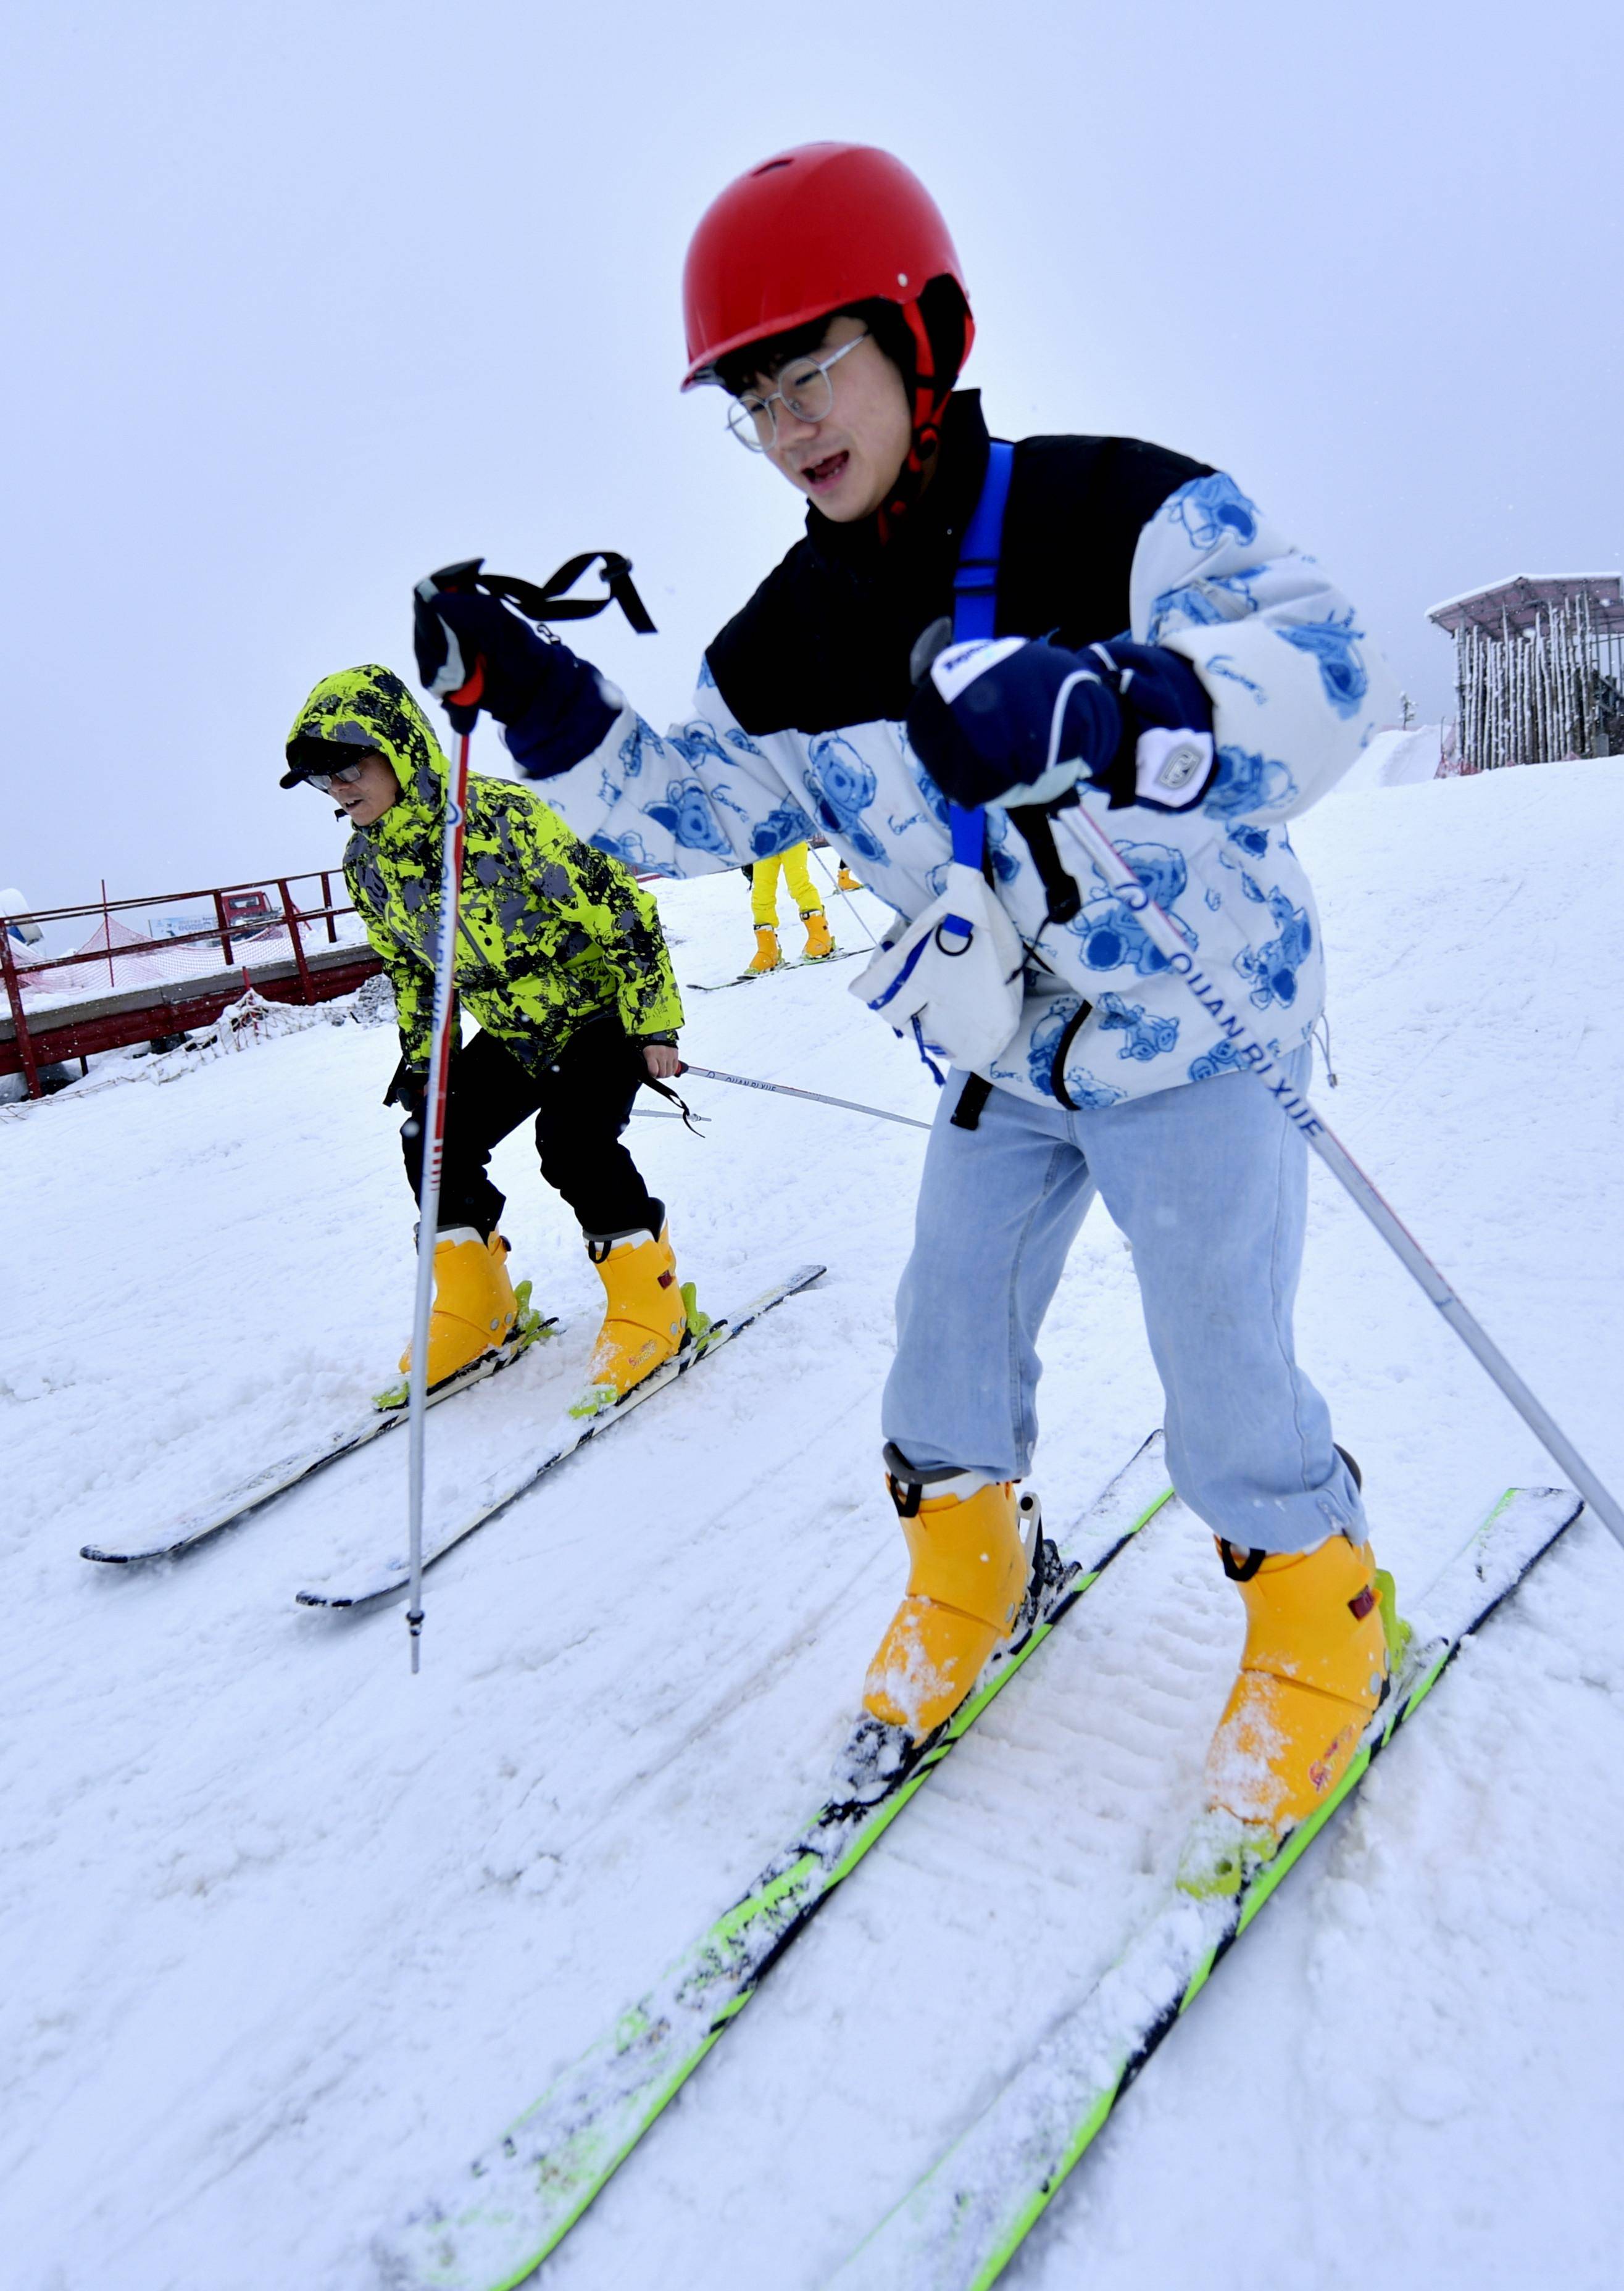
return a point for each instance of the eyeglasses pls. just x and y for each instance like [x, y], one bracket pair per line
[805, 391]
[323, 782]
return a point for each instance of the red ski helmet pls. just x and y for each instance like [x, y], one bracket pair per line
[804, 235]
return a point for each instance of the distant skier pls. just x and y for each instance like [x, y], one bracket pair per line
[822, 293]
[763, 908]
[562, 961]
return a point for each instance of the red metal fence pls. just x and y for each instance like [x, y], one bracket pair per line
[292, 950]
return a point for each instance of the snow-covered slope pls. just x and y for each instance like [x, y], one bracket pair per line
[1394, 758]
[287, 1932]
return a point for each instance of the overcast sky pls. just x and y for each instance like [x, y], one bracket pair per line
[304, 300]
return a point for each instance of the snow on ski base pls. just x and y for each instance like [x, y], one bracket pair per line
[289, 1933]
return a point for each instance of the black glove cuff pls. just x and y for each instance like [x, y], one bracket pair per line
[408, 1086]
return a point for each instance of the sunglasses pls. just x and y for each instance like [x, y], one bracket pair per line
[323, 782]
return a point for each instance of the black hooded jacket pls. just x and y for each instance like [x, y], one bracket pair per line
[826, 640]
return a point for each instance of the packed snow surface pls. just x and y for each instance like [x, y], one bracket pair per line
[1394, 758]
[289, 1932]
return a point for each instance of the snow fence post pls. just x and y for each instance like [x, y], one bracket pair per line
[290, 914]
[225, 936]
[13, 996]
[1254, 1054]
[434, 1147]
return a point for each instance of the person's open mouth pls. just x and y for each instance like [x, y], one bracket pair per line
[819, 476]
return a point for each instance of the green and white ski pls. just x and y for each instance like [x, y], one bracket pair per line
[964, 2221]
[523, 2196]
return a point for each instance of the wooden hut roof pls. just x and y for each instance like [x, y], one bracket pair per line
[1518, 603]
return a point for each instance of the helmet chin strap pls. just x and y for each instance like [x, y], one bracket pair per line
[930, 397]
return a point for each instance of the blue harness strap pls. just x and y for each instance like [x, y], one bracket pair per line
[976, 612]
[976, 581]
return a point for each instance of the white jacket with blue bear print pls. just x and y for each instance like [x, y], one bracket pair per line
[1297, 692]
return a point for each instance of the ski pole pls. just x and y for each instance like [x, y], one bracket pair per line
[785, 1090]
[1215, 1000]
[834, 885]
[433, 1116]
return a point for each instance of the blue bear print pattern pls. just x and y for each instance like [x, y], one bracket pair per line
[685, 813]
[1111, 935]
[1223, 1057]
[638, 741]
[1204, 603]
[1273, 968]
[1247, 782]
[842, 786]
[1251, 840]
[696, 739]
[1088, 1093]
[784, 827]
[1334, 643]
[629, 850]
[1085, 1091]
[1146, 1038]
[1044, 1040]
[1212, 508]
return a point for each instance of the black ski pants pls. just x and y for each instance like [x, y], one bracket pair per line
[582, 1101]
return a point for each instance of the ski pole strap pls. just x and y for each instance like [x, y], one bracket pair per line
[547, 600]
[663, 1089]
[975, 614]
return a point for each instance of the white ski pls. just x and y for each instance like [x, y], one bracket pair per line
[278, 1479]
[390, 1576]
[790, 963]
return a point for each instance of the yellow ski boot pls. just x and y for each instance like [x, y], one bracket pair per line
[766, 956]
[649, 1316]
[1321, 1636]
[475, 1308]
[969, 1572]
[845, 880]
[819, 945]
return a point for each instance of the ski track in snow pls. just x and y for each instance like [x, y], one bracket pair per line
[291, 1933]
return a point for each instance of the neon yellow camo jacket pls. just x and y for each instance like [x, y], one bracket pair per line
[552, 932]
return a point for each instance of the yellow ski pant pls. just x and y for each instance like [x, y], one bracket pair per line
[764, 886]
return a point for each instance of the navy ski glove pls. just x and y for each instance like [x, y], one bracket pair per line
[1159, 692]
[472, 653]
[1021, 719]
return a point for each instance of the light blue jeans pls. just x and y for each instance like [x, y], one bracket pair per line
[1209, 1184]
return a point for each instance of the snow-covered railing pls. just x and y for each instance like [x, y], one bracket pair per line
[120, 985]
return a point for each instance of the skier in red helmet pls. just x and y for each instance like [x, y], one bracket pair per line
[972, 639]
